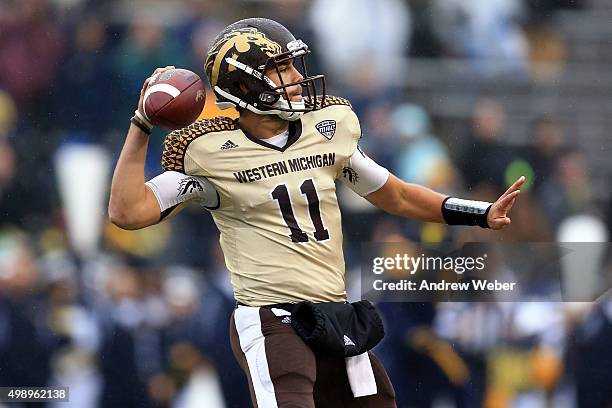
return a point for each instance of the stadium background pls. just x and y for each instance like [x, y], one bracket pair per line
[459, 95]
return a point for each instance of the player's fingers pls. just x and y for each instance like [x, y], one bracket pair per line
[509, 207]
[505, 203]
[159, 71]
[163, 69]
[518, 183]
[156, 73]
[505, 209]
[500, 223]
[147, 82]
[515, 186]
[144, 86]
[502, 205]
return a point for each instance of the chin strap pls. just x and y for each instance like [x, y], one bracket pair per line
[289, 115]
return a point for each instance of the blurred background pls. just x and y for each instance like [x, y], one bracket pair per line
[463, 96]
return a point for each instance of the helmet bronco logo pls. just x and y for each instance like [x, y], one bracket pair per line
[238, 41]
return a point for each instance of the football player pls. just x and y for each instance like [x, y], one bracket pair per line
[268, 179]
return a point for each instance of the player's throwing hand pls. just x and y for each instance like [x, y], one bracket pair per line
[145, 86]
[498, 214]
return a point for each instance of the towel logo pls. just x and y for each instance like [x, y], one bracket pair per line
[348, 341]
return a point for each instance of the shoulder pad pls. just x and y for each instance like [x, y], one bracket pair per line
[177, 141]
[333, 100]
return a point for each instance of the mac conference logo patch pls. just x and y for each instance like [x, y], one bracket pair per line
[327, 128]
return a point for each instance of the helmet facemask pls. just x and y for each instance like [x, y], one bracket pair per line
[277, 97]
[264, 97]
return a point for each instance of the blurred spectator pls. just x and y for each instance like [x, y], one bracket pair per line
[7, 165]
[545, 9]
[148, 45]
[25, 185]
[609, 215]
[7, 157]
[192, 354]
[486, 157]
[118, 359]
[547, 140]
[486, 32]
[30, 39]
[26, 339]
[425, 43]
[350, 36]
[74, 360]
[476, 329]
[568, 191]
[589, 353]
[421, 158]
[86, 70]
[379, 134]
[547, 52]
[410, 342]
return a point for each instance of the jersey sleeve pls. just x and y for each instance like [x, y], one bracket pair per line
[172, 189]
[362, 174]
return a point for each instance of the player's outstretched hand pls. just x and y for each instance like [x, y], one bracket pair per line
[498, 214]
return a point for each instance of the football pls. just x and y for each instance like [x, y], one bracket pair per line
[174, 99]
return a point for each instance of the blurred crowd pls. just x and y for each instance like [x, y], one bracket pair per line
[140, 319]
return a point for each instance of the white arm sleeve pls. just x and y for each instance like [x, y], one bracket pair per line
[363, 175]
[172, 188]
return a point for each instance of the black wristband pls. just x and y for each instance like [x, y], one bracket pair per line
[457, 211]
[140, 125]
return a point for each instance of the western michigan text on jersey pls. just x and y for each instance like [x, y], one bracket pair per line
[286, 166]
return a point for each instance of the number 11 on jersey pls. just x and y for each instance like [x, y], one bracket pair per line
[307, 188]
